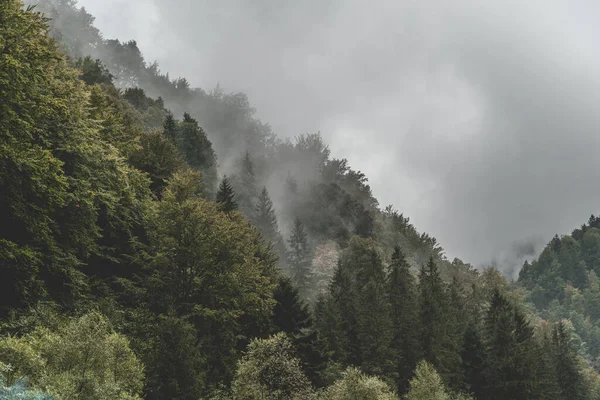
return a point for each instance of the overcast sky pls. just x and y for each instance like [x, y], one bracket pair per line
[477, 119]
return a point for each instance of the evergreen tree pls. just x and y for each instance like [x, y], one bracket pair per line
[401, 292]
[292, 316]
[457, 321]
[431, 314]
[226, 196]
[298, 258]
[511, 369]
[197, 150]
[170, 127]
[175, 365]
[336, 318]
[265, 218]
[568, 374]
[245, 186]
[473, 363]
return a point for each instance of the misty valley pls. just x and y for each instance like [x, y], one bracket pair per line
[160, 241]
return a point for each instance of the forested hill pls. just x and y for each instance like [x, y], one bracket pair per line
[158, 241]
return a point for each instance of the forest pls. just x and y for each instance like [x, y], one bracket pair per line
[159, 241]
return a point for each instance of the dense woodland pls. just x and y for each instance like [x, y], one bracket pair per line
[158, 241]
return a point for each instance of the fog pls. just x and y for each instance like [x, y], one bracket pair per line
[476, 119]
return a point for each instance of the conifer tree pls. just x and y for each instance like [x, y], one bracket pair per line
[431, 314]
[170, 127]
[569, 378]
[265, 218]
[197, 150]
[292, 316]
[245, 186]
[298, 257]
[473, 363]
[226, 196]
[456, 323]
[401, 292]
[510, 349]
[336, 318]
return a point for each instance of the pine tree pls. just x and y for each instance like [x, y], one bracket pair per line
[473, 363]
[298, 258]
[456, 324]
[175, 365]
[292, 316]
[170, 127]
[511, 367]
[569, 378]
[197, 150]
[336, 318]
[401, 292]
[265, 218]
[431, 314]
[245, 186]
[226, 196]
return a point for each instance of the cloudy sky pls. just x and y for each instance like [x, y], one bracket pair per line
[476, 119]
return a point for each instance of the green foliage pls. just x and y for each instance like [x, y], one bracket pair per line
[427, 384]
[211, 267]
[292, 316]
[269, 370]
[511, 351]
[197, 150]
[245, 186]
[226, 196]
[63, 189]
[175, 364]
[354, 385]
[93, 71]
[298, 258]
[82, 359]
[566, 364]
[103, 195]
[402, 295]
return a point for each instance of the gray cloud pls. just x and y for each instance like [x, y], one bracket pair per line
[476, 119]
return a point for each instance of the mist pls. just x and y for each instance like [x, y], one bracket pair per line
[476, 120]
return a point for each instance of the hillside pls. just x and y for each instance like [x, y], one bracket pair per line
[161, 242]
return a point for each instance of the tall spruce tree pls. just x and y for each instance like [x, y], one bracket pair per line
[431, 314]
[402, 295]
[245, 186]
[473, 363]
[265, 218]
[170, 127]
[197, 150]
[509, 343]
[226, 196]
[568, 374]
[298, 257]
[292, 316]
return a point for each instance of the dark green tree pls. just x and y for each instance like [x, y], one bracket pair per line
[226, 196]
[245, 185]
[568, 374]
[170, 127]
[510, 349]
[292, 316]
[432, 300]
[197, 150]
[93, 71]
[265, 218]
[298, 258]
[175, 365]
[402, 294]
[473, 363]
